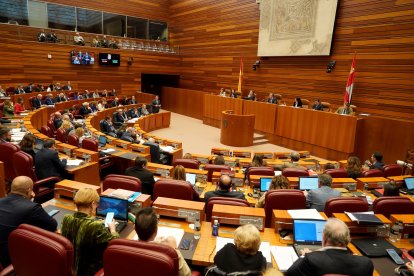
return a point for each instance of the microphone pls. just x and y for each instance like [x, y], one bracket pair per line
[404, 164]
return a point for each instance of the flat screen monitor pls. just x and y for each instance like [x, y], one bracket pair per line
[308, 183]
[109, 59]
[265, 183]
[190, 177]
[82, 57]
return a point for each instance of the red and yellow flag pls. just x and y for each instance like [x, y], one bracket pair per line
[350, 83]
[239, 87]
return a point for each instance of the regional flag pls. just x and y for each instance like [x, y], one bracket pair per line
[239, 87]
[350, 83]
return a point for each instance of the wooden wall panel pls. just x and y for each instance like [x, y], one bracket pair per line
[380, 31]
[265, 115]
[184, 101]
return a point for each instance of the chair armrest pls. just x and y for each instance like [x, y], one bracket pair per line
[99, 273]
[47, 181]
[9, 270]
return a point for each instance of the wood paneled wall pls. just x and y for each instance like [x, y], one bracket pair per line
[214, 35]
[183, 101]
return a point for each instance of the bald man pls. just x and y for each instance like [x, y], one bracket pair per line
[333, 257]
[17, 208]
[224, 190]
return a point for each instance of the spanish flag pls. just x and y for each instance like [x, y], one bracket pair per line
[239, 87]
[350, 83]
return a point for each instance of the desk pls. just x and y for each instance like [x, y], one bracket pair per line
[283, 218]
[68, 188]
[86, 173]
[237, 130]
[408, 221]
[178, 208]
[366, 183]
[238, 215]
[245, 189]
[399, 180]
[354, 227]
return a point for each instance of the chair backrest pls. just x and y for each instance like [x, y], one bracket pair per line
[73, 140]
[61, 135]
[46, 131]
[267, 171]
[326, 106]
[392, 170]
[305, 102]
[115, 181]
[293, 172]
[154, 151]
[372, 173]
[388, 205]
[337, 173]
[123, 256]
[224, 201]
[90, 144]
[210, 168]
[7, 151]
[178, 189]
[187, 163]
[35, 251]
[51, 125]
[283, 200]
[23, 165]
[345, 204]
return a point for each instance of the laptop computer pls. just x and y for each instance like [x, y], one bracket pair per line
[408, 186]
[102, 141]
[265, 184]
[116, 205]
[307, 233]
[191, 177]
[38, 145]
[374, 247]
[308, 183]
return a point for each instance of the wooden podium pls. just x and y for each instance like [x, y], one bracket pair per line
[236, 130]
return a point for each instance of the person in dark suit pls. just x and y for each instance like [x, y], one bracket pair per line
[376, 161]
[67, 87]
[316, 199]
[233, 94]
[47, 162]
[156, 105]
[19, 90]
[251, 96]
[17, 208]
[119, 118]
[49, 100]
[224, 190]
[107, 127]
[155, 151]
[139, 171]
[317, 105]
[130, 135]
[297, 102]
[29, 88]
[115, 102]
[85, 109]
[27, 144]
[37, 102]
[334, 257]
[272, 99]
[133, 113]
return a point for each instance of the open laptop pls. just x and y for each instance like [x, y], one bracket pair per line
[308, 183]
[408, 186]
[116, 205]
[307, 233]
[38, 145]
[374, 247]
[102, 141]
[265, 184]
[191, 177]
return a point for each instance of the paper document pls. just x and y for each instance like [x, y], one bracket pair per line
[353, 218]
[177, 233]
[305, 214]
[121, 193]
[284, 256]
[107, 150]
[74, 162]
[264, 247]
[166, 148]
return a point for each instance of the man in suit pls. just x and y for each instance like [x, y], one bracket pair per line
[293, 163]
[130, 135]
[17, 208]
[29, 88]
[119, 118]
[139, 171]
[272, 99]
[49, 100]
[133, 113]
[317, 105]
[107, 127]
[37, 102]
[115, 102]
[376, 161]
[345, 109]
[224, 190]
[61, 98]
[47, 162]
[85, 110]
[5, 135]
[19, 90]
[67, 87]
[333, 258]
[316, 199]
[132, 100]
[156, 105]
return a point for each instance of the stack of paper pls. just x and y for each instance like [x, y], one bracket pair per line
[74, 162]
[121, 193]
[305, 214]
[109, 150]
[284, 256]
[177, 233]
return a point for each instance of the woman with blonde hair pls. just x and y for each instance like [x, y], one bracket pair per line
[88, 235]
[278, 182]
[178, 173]
[354, 167]
[243, 255]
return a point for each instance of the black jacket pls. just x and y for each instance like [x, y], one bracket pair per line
[47, 163]
[146, 177]
[15, 210]
[36, 103]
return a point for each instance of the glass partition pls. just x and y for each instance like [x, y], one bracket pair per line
[89, 21]
[61, 17]
[137, 27]
[13, 12]
[158, 31]
[114, 24]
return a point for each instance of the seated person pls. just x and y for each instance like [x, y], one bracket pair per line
[346, 109]
[132, 100]
[5, 135]
[96, 42]
[47, 162]
[85, 110]
[19, 90]
[61, 98]
[278, 182]
[391, 189]
[119, 117]
[107, 127]
[8, 108]
[78, 39]
[219, 160]
[297, 102]
[19, 106]
[57, 119]
[115, 102]
[178, 173]
[222, 93]
[37, 102]
[271, 99]
[376, 161]
[41, 36]
[224, 190]
[317, 105]
[243, 255]
[257, 161]
[251, 96]
[87, 234]
[140, 171]
[233, 94]
[334, 258]
[353, 167]
[143, 110]
[130, 135]
[294, 162]
[27, 144]
[52, 37]
[146, 226]
[316, 199]
[104, 42]
[49, 100]
[133, 113]
[66, 126]
[155, 151]
[80, 133]
[101, 105]
[2, 92]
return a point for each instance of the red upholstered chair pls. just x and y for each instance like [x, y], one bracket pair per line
[293, 172]
[388, 205]
[223, 201]
[372, 173]
[122, 257]
[117, 181]
[61, 135]
[266, 171]
[7, 150]
[392, 170]
[73, 140]
[345, 204]
[178, 189]
[47, 131]
[51, 125]
[283, 200]
[34, 251]
[187, 163]
[214, 168]
[337, 173]
[92, 145]
[23, 165]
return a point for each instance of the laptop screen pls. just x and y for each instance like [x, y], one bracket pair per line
[112, 204]
[409, 183]
[102, 140]
[190, 177]
[308, 231]
[265, 183]
[308, 183]
[38, 144]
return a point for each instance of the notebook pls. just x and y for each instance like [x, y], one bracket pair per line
[116, 205]
[374, 247]
[190, 177]
[308, 183]
[378, 192]
[307, 234]
[265, 183]
[409, 185]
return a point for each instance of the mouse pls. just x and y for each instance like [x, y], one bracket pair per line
[411, 252]
[250, 194]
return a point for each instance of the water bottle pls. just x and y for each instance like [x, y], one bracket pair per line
[400, 230]
[215, 228]
[197, 227]
[395, 229]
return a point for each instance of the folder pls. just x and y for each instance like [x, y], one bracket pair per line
[365, 218]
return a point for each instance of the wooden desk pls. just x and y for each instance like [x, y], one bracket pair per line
[237, 130]
[143, 200]
[245, 189]
[178, 208]
[238, 179]
[68, 188]
[159, 169]
[408, 222]
[354, 227]
[399, 180]
[237, 215]
[366, 183]
[86, 173]
[281, 219]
